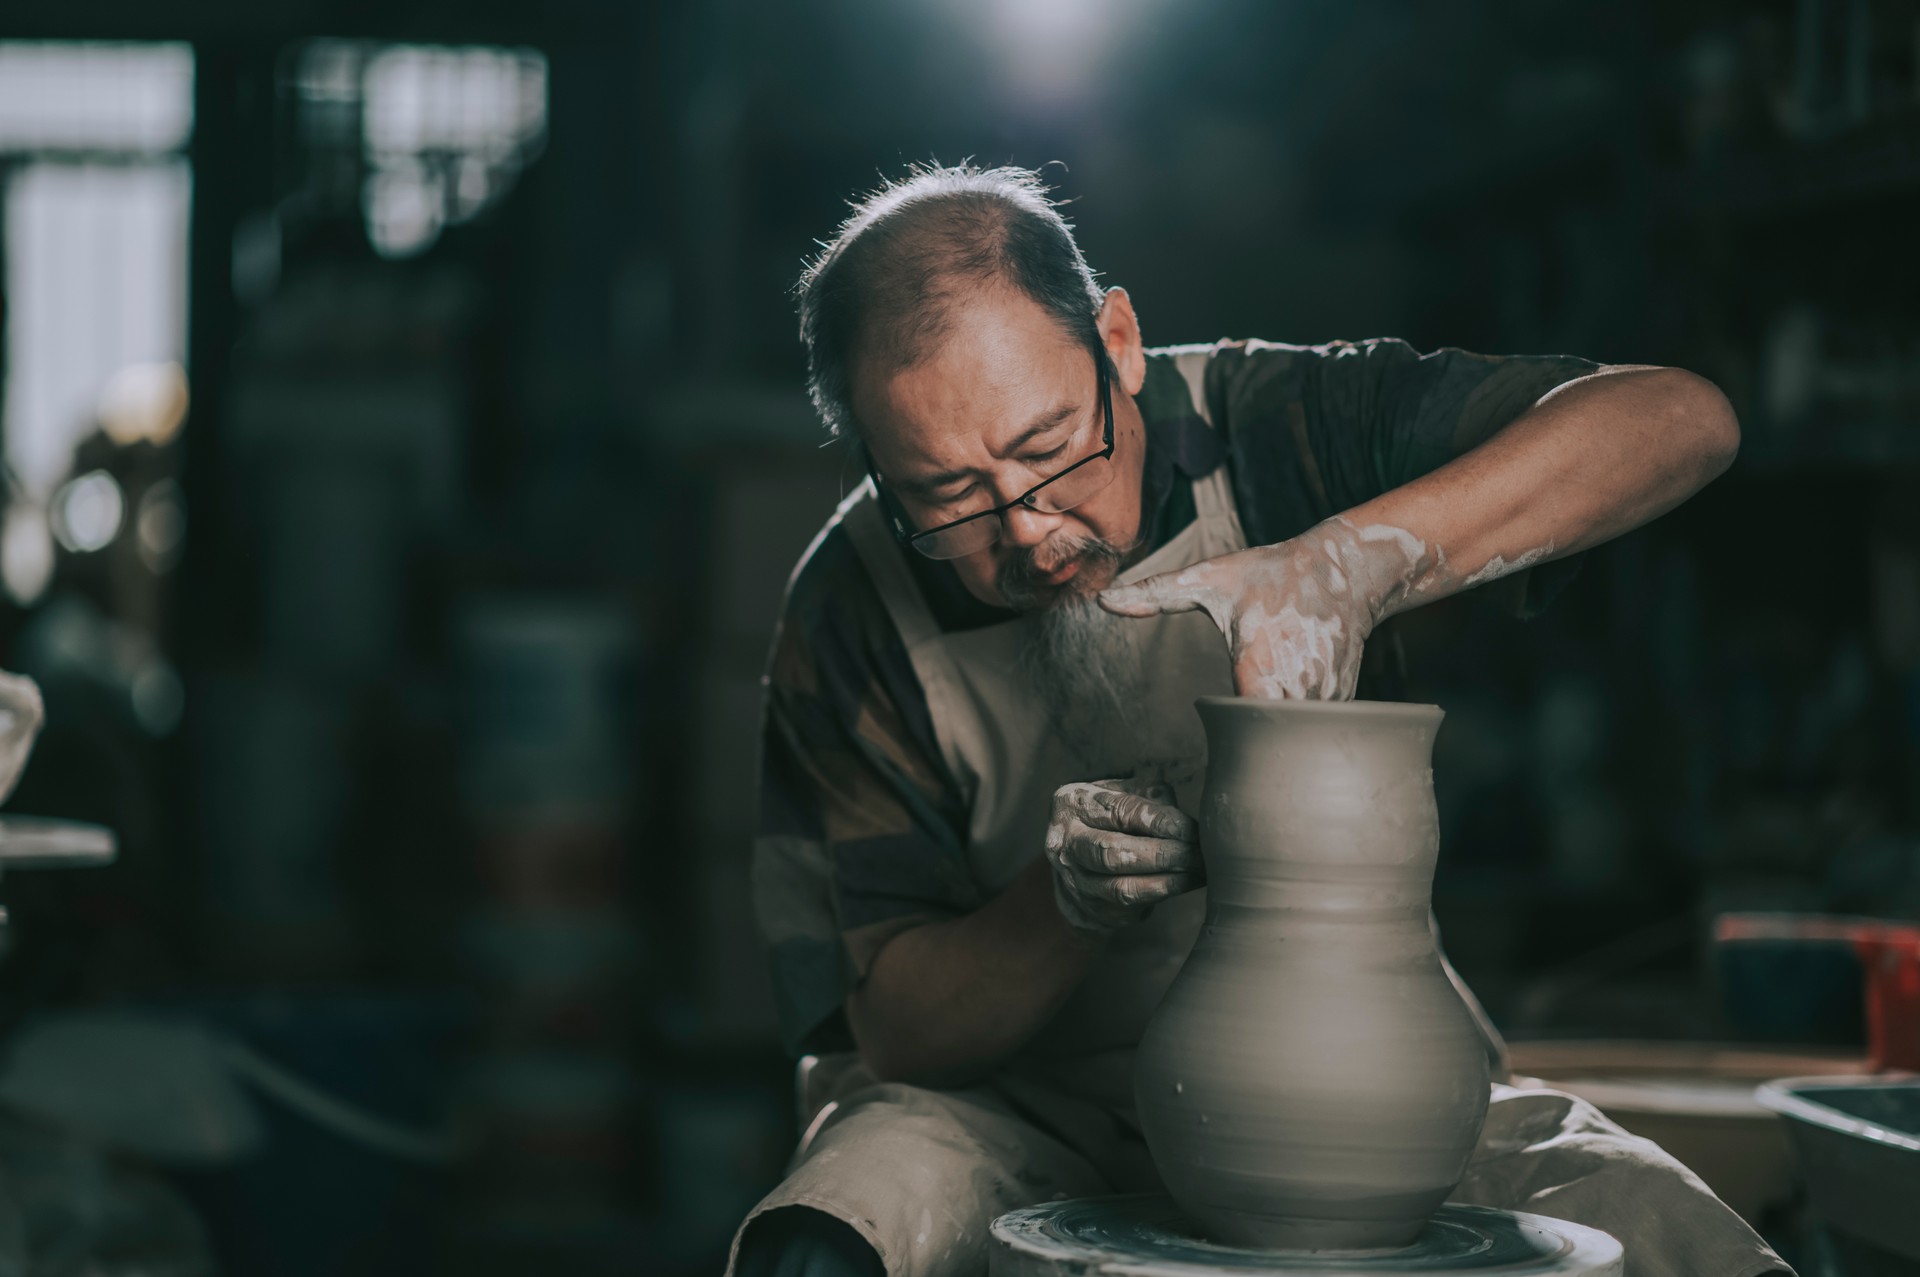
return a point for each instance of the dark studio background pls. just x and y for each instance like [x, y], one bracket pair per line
[431, 746]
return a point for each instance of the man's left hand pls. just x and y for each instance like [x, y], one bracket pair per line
[1296, 615]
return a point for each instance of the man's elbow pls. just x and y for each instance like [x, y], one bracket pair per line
[884, 1054]
[893, 1051]
[891, 1062]
[887, 1065]
[1698, 413]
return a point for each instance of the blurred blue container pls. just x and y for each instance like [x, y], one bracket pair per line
[1857, 1144]
[1792, 977]
[1792, 991]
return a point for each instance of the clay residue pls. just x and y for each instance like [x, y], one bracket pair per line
[1297, 615]
[1497, 567]
[1303, 623]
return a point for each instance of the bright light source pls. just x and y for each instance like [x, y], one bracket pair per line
[471, 188]
[87, 512]
[144, 401]
[1053, 49]
[1055, 24]
[445, 131]
[486, 102]
[404, 211]
[96, 281]
[26, 554]
[161, 525]
[95, 97]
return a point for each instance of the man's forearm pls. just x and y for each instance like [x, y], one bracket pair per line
[946, 1001]
[1595, 458]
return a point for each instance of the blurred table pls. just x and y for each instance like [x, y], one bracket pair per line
[35, 842]
[1695, 1100]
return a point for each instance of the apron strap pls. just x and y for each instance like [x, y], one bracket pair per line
[885, 560]
[1218, 516]
[1192, 362]
[1213, 503]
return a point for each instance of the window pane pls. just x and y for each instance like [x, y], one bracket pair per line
[99, 97]
[96, 283]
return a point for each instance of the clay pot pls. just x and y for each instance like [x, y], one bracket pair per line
[1311, 1080]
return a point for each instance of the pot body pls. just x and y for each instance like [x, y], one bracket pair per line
[1311, 1080]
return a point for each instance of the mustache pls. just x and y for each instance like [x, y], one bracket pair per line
[1022, 581]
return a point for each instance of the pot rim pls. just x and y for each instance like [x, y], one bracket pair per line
[1412, 711]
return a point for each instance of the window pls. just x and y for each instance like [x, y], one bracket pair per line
[96, 190]
[442, 133]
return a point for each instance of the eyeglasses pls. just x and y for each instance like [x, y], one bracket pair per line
[1065, 490]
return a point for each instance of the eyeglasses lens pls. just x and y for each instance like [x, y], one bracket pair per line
[1062, 494]
[1075, 486]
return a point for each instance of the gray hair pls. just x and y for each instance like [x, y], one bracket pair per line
[883, 286]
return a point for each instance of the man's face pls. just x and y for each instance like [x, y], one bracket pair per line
[1006, 401]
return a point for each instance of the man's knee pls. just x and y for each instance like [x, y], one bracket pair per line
[926, 1172]
[799, 1241]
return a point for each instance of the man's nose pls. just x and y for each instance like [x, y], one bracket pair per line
[1025, 527]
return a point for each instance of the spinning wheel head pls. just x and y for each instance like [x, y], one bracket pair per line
[1144, 1235]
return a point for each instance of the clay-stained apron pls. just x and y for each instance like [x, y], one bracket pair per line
[996, 739]
[998, 743]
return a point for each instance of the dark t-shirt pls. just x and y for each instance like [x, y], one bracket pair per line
[862, 831]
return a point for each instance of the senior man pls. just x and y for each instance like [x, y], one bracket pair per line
[976, 867]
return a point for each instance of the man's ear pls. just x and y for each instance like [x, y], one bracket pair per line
[1120, 331]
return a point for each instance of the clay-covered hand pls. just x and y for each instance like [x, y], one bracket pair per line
[1296, 615]
[1117, 847]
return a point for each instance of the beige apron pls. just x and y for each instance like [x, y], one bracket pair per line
[998, 743]
[968, 1154]
[920, 1173]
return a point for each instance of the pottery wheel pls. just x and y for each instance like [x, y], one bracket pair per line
[1145, 1235]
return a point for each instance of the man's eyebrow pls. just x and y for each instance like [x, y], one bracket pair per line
[1040, 425]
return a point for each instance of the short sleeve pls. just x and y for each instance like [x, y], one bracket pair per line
[856, 839]
[1330, 427]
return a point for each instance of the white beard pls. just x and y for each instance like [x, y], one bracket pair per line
[1084, 664]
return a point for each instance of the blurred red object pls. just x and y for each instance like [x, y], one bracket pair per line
[1889, 954]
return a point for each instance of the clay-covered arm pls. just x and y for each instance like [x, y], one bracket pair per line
[946, 1001]
[1590, 460]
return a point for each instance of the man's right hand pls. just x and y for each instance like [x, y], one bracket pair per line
[1117, 847]
[947, 1001]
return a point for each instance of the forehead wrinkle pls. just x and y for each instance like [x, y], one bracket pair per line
[952, 412]
[1040, 425]
[1042, 422]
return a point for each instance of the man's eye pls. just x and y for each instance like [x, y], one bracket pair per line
[946, 500]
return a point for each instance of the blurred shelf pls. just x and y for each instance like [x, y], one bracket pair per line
[1882, 158]
[1851, 445]
[32, 842]
[718, 415]
[1628, 1060]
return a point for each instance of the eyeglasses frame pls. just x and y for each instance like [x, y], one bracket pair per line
[909, 537]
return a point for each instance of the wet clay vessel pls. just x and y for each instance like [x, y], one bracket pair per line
[1311, 1080]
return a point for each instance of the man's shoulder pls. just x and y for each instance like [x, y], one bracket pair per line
[1252, 379]
[1252, 355]
[1240, 370]
[832, 608]
[830, 564]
